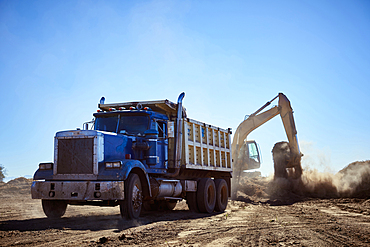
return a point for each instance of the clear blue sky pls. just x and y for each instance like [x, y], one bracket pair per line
[57, 58]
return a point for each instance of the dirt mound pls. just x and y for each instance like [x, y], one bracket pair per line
[19, 185]
[254, 187]
[353, 182]
[19, 181]
[355, 179]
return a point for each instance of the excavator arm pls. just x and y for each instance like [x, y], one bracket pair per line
[257, 119]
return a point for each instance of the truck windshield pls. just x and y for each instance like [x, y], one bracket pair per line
[130, 124]
[106, 123]
[133, 124]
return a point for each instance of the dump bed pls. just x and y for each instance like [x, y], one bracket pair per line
[205, 146]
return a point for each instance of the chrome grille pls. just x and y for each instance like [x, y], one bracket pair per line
[75, 156]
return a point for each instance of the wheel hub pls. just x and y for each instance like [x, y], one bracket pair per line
[136, 197]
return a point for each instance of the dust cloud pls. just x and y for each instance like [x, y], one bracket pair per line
[352, 181]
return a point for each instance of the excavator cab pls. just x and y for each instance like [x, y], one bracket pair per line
[249, 156]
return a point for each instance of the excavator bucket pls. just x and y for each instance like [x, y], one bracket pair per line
[286, 162]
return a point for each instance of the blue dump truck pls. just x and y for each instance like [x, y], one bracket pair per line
[145, 155]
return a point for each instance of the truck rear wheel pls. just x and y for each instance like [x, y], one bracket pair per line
[130, 207]
[206, 195]
[54, 208]
[221, 195]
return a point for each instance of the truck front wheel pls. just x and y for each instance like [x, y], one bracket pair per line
[54, 208]
[130, 207]
[206, 195]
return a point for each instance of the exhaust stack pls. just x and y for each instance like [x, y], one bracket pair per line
[178, 137]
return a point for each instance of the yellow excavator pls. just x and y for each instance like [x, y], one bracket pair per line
[286, 155]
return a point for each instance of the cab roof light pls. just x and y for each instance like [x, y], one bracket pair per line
[112, 109]
[147, 108]
[121, 108]
[132, 108]
[98, 110]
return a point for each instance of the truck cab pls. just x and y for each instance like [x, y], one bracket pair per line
[144, 133]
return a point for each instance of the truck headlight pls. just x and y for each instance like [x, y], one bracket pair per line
[113, 164]
[46, 166]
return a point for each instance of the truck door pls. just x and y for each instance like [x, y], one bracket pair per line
[162, 148]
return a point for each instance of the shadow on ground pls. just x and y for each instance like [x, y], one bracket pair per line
[97, 223]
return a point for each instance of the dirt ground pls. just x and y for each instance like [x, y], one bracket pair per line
[254, 218]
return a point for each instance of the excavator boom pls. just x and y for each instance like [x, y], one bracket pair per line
[286, 114]
[257, 119]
